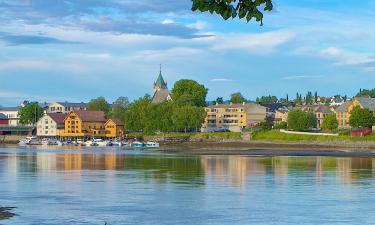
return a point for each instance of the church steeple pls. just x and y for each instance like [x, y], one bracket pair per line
[160, 83]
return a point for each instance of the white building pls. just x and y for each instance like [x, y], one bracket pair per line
[12, 114]
[50, 124]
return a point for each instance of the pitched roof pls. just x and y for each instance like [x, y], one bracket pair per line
[368, 103]
[57, 117]
[272, 106]
[160, 82]
[160, 96]
[3, 116]
[323, 109]
[117, 121]
[16, 108]
[72, 104]
[91, 116]
[343, 107]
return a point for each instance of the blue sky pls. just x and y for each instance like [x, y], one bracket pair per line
[77, 50]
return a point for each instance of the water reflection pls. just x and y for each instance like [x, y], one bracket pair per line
[236, 170]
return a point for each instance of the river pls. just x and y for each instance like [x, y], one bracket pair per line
[52, 186]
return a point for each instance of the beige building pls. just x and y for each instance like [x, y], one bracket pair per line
[50, 125]
[281, 115]
[320, 112]
[65, 107]
[343, 111]
[233, 117]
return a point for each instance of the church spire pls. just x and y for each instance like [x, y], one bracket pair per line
[160, 83]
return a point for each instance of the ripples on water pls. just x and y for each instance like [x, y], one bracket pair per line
[133, 187]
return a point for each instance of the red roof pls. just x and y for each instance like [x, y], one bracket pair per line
[57, 117]
[91, 116]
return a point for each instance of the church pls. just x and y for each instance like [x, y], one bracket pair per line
[161, 92]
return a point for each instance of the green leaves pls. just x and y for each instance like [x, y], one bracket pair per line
[330, 122]
[30, 113]
[99, 104]
[234, 8]
[189, 92]
[361, 117]
[299, 120]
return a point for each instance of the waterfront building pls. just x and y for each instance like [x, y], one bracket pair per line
[160, 90]
[343, 111]
[65, 107]
[12, 114]
[82, 123]
[114, 128]
[320, 112]
[50, 125]
[271, 108]
[233, 117]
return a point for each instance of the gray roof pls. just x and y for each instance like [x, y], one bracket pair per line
[323, 109]
[160, 96]
[72, 104]
[16, 108]
[343, 107]
[368, 103]
[3, 117]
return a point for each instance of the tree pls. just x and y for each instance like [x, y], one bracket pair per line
[267, 99]
[299, 120]
[233, 8]
[219, 100]
[99, 104]
[361, 117]
[268, 123]
[188, 117]
[237, 98]
[136, 115]
[281, 125]
[189, 92]
[330, 123]
[366, 93]
[30, 113]
[119, 107]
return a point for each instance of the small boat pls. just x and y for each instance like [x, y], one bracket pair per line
[44, 141]
[26, 140]
[99, 142]
[137, 144]
[114, 143]
[152, 144]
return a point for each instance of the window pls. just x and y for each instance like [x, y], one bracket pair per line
[46, 132]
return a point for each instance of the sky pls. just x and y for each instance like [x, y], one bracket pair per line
[69, 50]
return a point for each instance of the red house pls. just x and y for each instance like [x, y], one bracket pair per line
[4, 119]
[360, 132]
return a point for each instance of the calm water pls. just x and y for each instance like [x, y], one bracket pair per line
[135, 187]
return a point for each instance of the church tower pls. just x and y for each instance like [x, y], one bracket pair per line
[160, 84]
[161, 92]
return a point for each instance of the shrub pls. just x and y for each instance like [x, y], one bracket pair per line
[330, 123]
[282, 125]
[299, 120]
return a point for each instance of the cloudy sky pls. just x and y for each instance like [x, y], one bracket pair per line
[55, 50]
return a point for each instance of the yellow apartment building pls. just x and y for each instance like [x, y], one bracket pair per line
[114, 128]
[234, 117]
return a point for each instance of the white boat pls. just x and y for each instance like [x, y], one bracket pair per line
[137, 144]
[26, 140]
[152, 144]
[99, 142]
[114, 143]
[45, 141]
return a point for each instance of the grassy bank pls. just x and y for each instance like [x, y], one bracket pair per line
[274, 135]
[192, 136]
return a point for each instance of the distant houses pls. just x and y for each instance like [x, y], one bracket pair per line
[65, 107]
[343, 111]
[50, 125]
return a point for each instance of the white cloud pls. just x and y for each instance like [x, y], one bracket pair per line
[262, 43]
[199, 25]
[31, 64]
[301, 77]
[167, 21]
[219, 79]
[345, 57]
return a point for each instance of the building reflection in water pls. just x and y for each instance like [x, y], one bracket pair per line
[234, 170]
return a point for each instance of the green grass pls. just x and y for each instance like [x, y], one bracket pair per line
[278, 136]
[211, 136]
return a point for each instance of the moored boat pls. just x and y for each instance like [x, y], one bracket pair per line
[137, 144]
[152, 144]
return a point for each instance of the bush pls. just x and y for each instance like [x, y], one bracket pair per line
[330, 123]
[282, 125]
[361, 117]
[299, 120]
